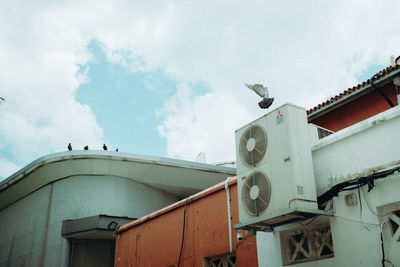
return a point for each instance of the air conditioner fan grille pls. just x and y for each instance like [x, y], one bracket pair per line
[253, 145]
[256, 193]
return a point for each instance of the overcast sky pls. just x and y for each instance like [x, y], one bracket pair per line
[165, 78]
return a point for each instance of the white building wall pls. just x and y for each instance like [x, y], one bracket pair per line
[30, 232]
[356, 229]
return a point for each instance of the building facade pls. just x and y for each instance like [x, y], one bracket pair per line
[357, 178]
[62, 209]
[358, 226]
[360, 102]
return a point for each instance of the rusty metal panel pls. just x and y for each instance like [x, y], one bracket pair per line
[157, 242]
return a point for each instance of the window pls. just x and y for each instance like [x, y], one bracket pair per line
[306, 244]
[226, 260]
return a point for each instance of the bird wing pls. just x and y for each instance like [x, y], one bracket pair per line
[258, 89]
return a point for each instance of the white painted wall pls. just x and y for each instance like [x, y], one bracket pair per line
[30, 232]
[355, 229]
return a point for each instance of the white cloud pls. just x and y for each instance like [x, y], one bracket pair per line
[202, 124]
[7, 167]
[39, 75]
[303, 51]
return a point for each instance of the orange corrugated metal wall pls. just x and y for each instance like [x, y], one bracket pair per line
[357, 110]
[157, 242]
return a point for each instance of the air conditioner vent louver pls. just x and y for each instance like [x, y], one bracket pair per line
[253, 145]
[256, 193]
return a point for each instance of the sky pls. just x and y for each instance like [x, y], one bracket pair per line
[166, 78]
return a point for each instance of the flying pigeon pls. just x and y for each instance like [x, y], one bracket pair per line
[262, 91]
[69, 147]
[86, 148]
[104, 147]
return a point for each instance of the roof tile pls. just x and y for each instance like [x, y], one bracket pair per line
[335, 98]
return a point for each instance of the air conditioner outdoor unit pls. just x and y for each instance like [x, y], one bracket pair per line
[274, 166]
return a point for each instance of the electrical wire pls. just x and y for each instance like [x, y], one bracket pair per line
[369, 207]
[355, 221]
[354, 184]
[183, 233]
[383, 247]
[359, 199]
[388, 261]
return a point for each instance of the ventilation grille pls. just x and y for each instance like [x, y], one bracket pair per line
[253, 145]
[310, 244]
[227, 260]
[323, 132]
[256, 193]
[394, 220]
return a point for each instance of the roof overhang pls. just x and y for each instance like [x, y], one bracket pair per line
[382, 81]
[93, 227]
[178, 177]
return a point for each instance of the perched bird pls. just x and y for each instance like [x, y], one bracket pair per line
[69, 147]
[262, 91]
[104, 147]
[116, 149]
[86, 148]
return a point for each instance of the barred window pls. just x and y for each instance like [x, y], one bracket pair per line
[306, 244]
[226, 260]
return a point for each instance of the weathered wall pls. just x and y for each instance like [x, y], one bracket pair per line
[30, 232]
[157, 242]
[358, 110]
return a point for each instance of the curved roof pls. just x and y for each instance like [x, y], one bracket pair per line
[178, 177]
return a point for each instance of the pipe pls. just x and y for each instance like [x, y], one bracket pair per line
[381, 93]
[229, 213]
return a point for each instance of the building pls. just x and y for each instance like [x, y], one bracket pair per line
[357, 177]
[62, 209]
[344, 229]
[360, 102]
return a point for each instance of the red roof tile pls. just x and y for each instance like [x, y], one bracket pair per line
[335, 98]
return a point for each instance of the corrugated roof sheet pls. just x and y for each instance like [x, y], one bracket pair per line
[357, 87]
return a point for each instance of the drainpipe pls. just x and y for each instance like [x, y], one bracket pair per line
[229, 213]
[381, 93]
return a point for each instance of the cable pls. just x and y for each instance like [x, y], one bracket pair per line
[183, 233]
[383, 247]
[355, 221]
[369, 207]
[354, 184]
[383, 251]
[359, 199]
[388, 261]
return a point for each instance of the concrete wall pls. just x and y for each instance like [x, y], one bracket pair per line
[357, 149]
[356, 228]
[30, 232]
[157, 242]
